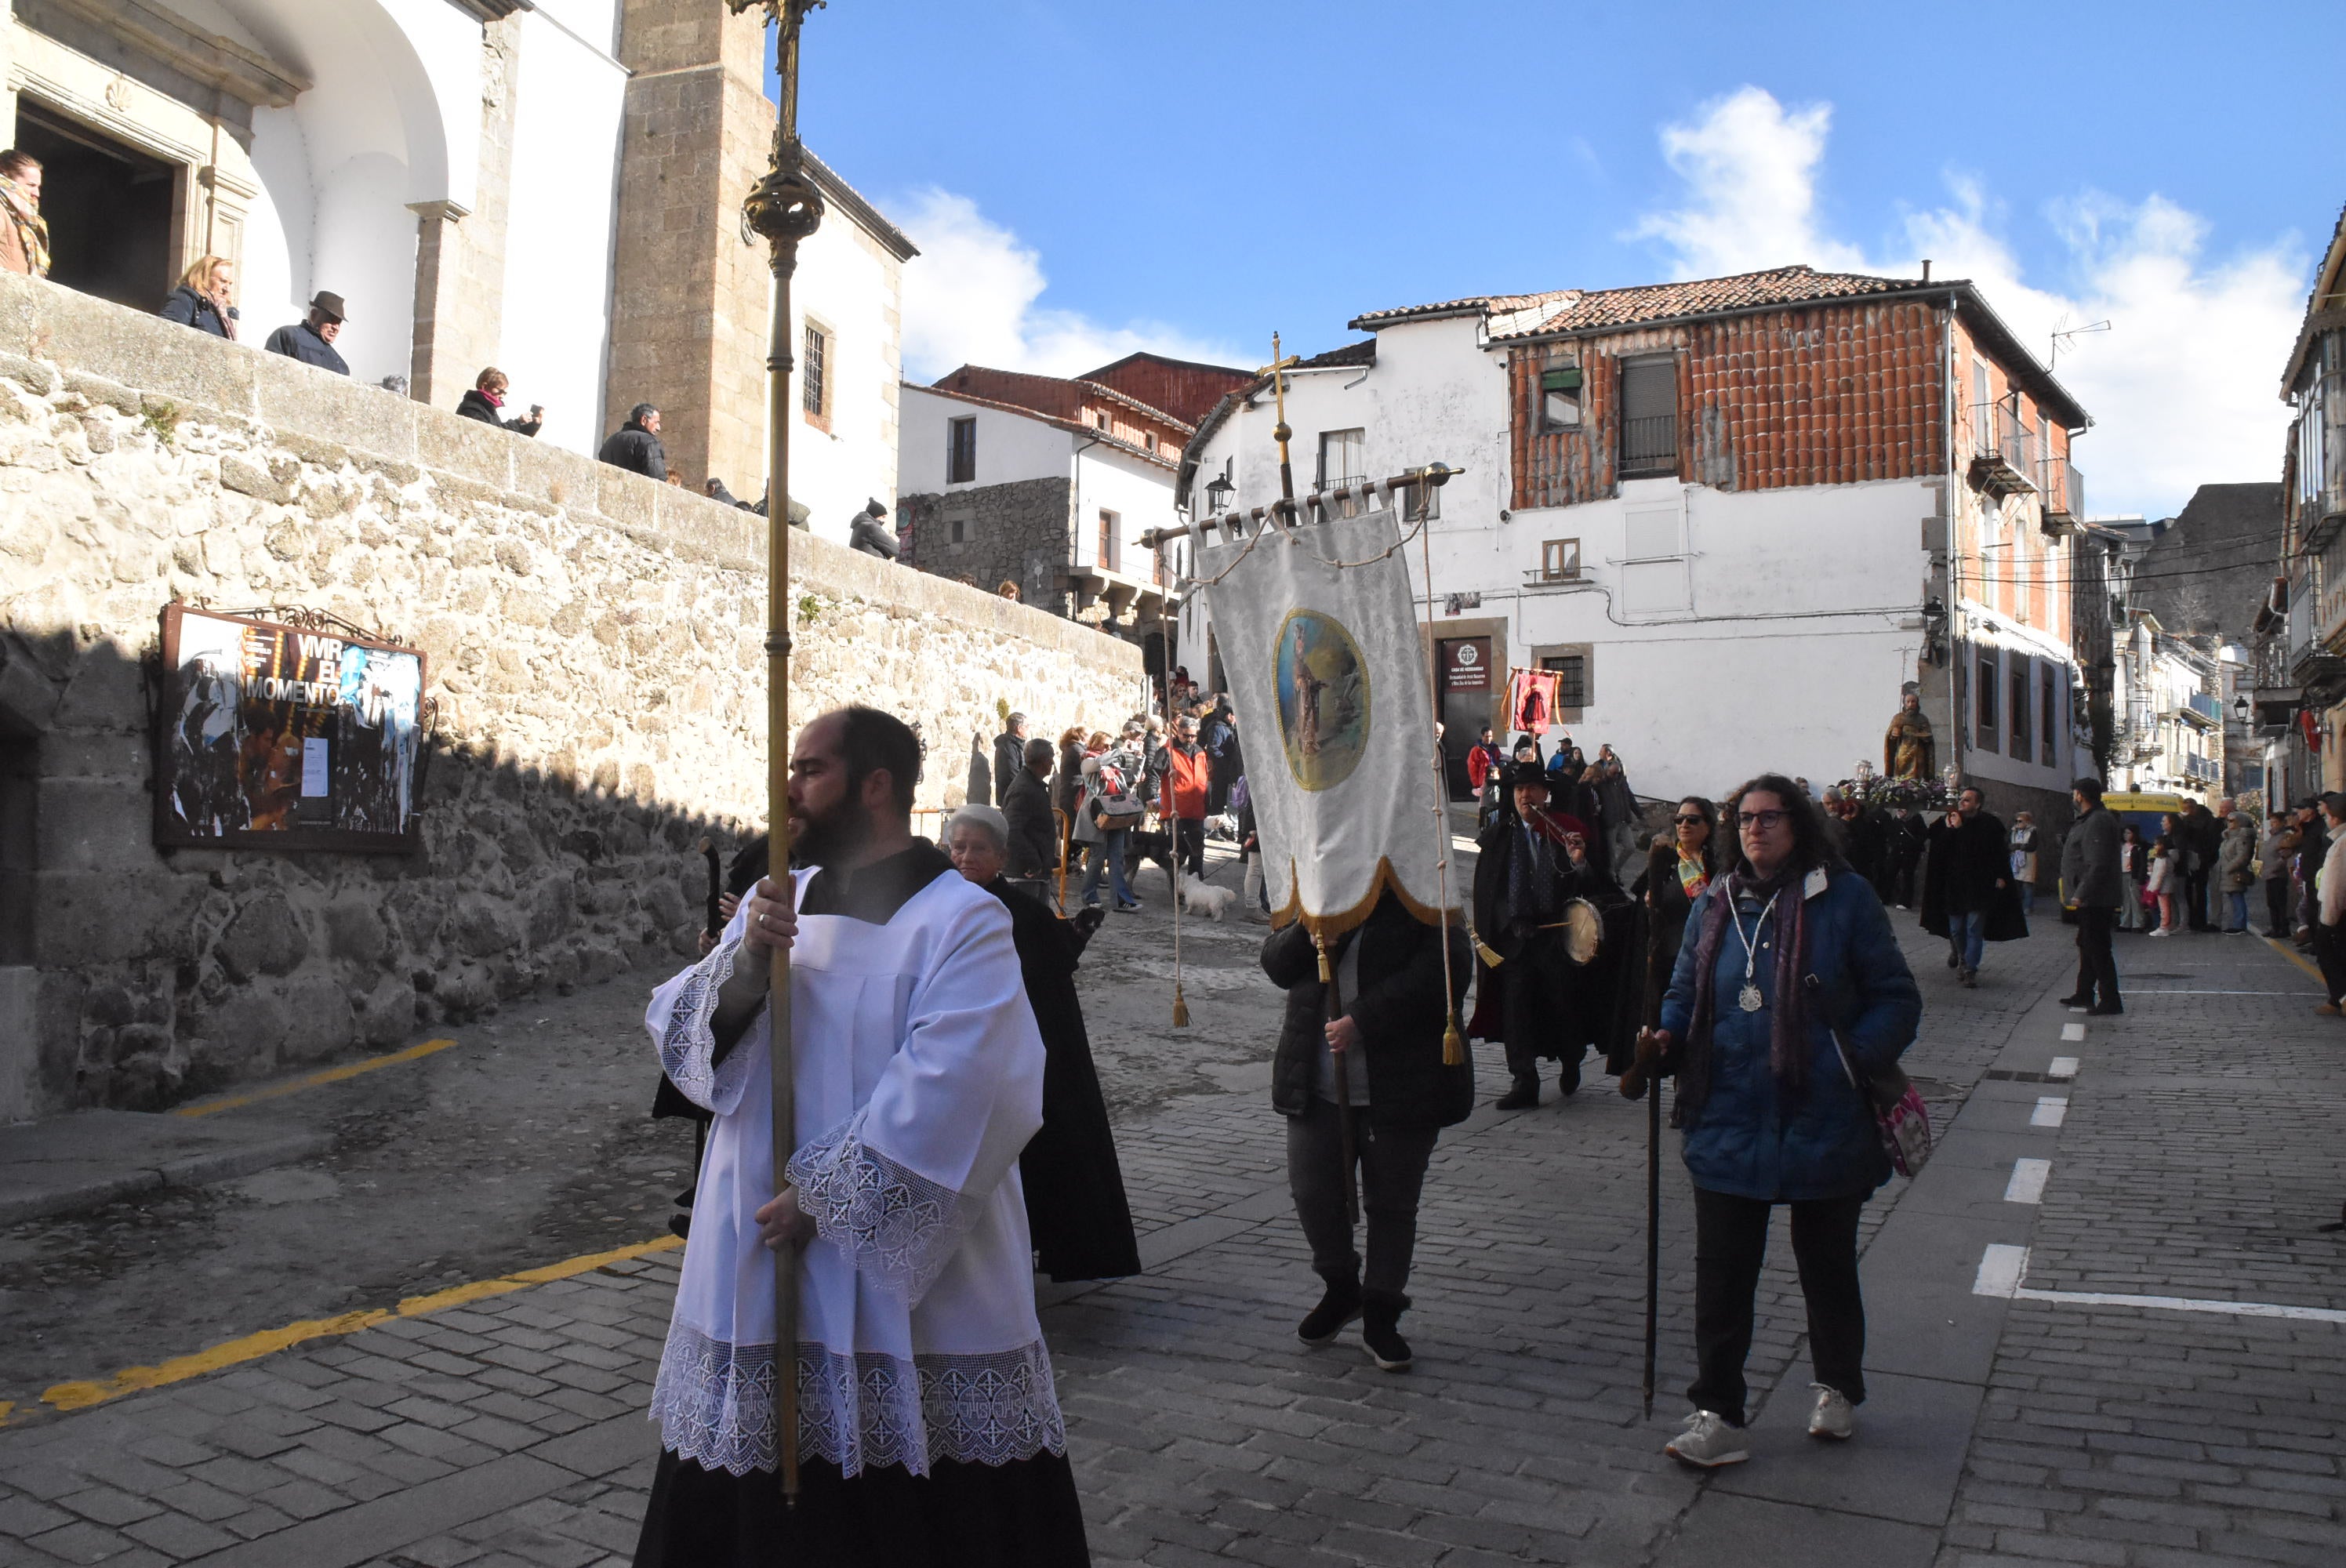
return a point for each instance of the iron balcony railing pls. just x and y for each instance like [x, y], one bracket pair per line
[2205, 706]
[1650, 445]
[2064, 488]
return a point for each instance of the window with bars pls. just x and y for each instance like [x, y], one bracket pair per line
[815, 376]
[961, 451]
[1649, 418]
[1571, 678]
[1342, 458]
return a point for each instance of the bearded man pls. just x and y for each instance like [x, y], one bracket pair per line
[929, 1433]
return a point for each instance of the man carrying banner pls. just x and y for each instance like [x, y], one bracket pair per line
[1534, 885]
[1390, 979]
[929, 1432]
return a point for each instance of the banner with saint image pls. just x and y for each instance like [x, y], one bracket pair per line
[1320, 645]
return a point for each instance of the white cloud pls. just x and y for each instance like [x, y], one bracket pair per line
[2182, 389]
[969, 297]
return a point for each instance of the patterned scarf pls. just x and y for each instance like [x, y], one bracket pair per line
[32, 229]
[1788, 1032]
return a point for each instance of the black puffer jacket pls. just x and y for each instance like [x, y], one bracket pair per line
[475, 404]
[1399, 1011]
[637, 449]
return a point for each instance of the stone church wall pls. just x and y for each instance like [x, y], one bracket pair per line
[596, 653]
[1015, 532]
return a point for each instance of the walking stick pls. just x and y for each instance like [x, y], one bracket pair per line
[1653, 1226]
[783, 207]
[715, 921]
[1339, 1059]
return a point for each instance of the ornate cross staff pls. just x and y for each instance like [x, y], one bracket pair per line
[785, 207]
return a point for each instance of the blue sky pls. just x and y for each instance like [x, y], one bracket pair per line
[1090, 179]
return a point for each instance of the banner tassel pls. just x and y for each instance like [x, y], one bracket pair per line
[1181, 1008]
[1453, 1045]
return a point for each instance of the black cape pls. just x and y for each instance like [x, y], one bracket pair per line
[1076, 1207]
[1970, 856]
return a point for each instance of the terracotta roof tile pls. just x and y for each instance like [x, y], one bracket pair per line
[1600, 308]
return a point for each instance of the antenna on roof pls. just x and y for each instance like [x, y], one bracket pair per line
[2063, 334]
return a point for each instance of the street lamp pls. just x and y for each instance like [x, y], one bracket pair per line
[2240, 706]
[1218, 495]
[785, 207]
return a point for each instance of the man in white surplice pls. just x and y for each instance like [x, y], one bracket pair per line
[930, 1432]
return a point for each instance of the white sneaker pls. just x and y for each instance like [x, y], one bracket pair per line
[1708, 1442]
[1834, 1417]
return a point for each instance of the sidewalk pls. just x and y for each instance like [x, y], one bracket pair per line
[2193, 1151]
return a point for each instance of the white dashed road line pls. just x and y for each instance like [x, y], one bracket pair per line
[2003, 1266]
[2063, 1067]
[2050, 1110]
[2073, 1031]
[2027, 1183]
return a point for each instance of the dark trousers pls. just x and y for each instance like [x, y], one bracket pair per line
[1189, 844]
[2330, 952]
[2277, 902]
[1731, 1242]
[1392, 1169]
[1532, 1011]
[2195, 899]
[2098, 968]
[1901, 881]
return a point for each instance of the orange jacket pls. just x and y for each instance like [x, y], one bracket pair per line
[1186, 778]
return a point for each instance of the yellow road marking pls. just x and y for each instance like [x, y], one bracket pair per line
[2288, 951]
[253, 1347]
[331, 1075]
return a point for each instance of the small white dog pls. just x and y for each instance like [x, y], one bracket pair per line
[1201, 897]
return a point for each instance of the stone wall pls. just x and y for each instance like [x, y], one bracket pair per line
[1018, 532]
[596, 653]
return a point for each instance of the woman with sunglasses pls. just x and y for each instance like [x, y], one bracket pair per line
[1789, 962]
[1677, 869]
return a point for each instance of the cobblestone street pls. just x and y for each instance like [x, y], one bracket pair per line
[2020, 1416]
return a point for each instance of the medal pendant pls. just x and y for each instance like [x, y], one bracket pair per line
[1748, 998]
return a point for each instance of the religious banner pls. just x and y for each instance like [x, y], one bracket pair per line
[1531, 700]
[283, 736]
[1318, 640]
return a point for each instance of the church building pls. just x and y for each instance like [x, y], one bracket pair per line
[550, 186]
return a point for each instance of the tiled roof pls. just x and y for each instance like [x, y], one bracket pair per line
[1160, 458]
[1603, 308]
[1473, 304]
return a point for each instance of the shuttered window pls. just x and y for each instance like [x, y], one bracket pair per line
[1649, 418]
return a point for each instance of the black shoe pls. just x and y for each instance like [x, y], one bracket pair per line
[2076, 1001]
[1954, 962]
[1522, 1097]
[1340, 1304]
[2112, 1010]
[1379, 1315]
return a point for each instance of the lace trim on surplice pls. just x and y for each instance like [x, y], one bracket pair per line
[688, 1048]
[715, 1404]
[899, 1227]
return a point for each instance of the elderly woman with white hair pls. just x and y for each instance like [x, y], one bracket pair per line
[1075, 1205]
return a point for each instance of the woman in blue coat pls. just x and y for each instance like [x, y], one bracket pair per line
[1785, 950]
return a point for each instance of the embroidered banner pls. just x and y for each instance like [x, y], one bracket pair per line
[1531, 701]
[1322, 658]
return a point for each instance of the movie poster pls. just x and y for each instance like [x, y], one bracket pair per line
[286, 737]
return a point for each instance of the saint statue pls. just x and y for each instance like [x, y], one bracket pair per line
[1308, 687]
[1907, 749]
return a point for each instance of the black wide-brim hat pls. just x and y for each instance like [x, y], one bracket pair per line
[1520, 773]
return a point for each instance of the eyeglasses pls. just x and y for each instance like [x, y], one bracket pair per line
[1690, 820]
[1763, 821]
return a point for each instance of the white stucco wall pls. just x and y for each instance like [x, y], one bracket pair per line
[1011, 444]
[1139, 492]
[555, 330]
[853, 292]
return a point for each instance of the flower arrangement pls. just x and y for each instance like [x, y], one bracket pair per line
[1916, 794]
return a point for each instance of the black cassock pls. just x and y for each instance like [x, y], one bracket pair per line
[1075, 1205]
